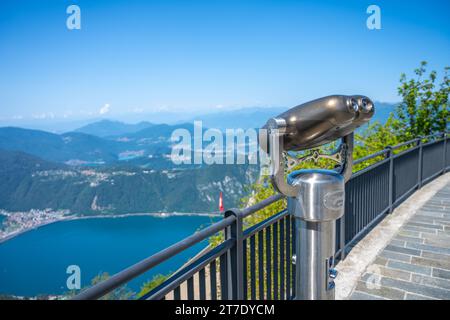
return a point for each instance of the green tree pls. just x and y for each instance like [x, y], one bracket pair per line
[424, 109]
[150, 285]
[121, 293]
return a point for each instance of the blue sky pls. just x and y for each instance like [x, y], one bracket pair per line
[196, 56]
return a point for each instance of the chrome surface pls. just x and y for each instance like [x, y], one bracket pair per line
[319, 203]
[322, 121]
[320, 195]
[315, 247]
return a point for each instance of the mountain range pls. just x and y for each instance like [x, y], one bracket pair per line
[106, 128]
[79, 148]
[28, 182]
[227, 119]
[125, 173]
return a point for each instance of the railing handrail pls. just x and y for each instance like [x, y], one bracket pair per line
[371, 156]
[121, 278]
[187, 271]
[258, 206]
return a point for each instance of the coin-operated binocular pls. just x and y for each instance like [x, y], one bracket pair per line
[315, 197]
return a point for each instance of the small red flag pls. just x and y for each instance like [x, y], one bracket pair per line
[221, 202]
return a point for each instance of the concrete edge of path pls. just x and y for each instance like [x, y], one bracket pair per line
[366, 250]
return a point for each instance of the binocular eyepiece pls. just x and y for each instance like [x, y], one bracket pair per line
[320, 121]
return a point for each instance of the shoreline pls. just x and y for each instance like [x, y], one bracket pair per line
[111, 216]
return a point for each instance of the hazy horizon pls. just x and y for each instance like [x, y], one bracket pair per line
[159, 57]
[60, 125]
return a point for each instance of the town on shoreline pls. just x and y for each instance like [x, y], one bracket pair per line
[17, 223]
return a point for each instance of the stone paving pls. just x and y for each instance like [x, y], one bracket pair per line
[415, 265]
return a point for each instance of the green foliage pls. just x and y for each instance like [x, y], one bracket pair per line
[425, 106]
[373, 139]
[121, 293]
[150, 285]
[261, 191]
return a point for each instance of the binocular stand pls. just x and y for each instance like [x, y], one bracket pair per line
[319, 204]
[316, 200]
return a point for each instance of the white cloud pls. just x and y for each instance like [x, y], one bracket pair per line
[67, 114]
[104, 109]
[44, 115]
[138, 110]
[162, 108]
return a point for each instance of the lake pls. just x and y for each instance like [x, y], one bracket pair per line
[35, 262]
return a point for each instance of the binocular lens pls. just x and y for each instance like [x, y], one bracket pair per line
[367, 106]
[354, 105]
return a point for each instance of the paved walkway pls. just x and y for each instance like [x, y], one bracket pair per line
[416, 262]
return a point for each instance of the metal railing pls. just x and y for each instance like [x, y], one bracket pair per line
[255, 263]
[378, 189]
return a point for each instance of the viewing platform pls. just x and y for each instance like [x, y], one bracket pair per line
[406, 256]
[392, 242]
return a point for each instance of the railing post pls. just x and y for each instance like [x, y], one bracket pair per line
[342, 237]
[444, 157]
[236, 256]
[390, 156]
[419, 169]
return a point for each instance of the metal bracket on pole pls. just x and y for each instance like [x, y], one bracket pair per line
[276, 131]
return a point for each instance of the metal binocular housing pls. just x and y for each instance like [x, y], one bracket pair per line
[311, 125]
[322, 121]
[316, 198]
